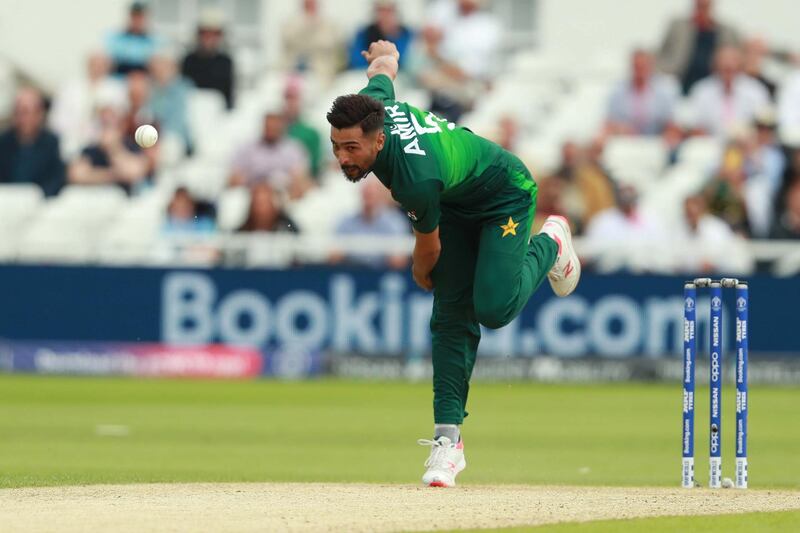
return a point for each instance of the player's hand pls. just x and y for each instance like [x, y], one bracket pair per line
[380, 48]
[422, 279]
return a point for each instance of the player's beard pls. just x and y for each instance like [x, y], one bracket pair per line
[356, 175]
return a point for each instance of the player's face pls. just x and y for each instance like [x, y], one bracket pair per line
[356, 151]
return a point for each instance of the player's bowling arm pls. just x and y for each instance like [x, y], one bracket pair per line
[383, 65]
[427, 249]
[383, 58]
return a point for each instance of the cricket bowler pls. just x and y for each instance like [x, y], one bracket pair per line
[471, 204]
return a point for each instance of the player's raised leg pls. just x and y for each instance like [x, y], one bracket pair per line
[566, 271]
[509, 269]
[510, 266]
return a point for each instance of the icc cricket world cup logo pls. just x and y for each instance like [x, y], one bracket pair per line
[741, 304]
[716, 303]
[689, 304]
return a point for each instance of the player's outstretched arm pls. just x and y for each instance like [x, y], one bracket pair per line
[383, 58]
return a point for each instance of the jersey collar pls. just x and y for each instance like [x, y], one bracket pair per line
[381, 165]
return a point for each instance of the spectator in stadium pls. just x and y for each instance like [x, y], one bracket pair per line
[626, 223]
[643, 104]
[727, 100]
[726, 192]
[754, 51]
[765, 165]
[791, 176]
[72, 114]
[208, 66]
[138, 112]
[451, 89]
[299, 129]
[787, 224]
[588, 189]
[168, 99]
[385, 26]
[114, 159]
[29, 152]
[690, 44]
[456, 56]
[789, 105]
[131, 49]
[792, 173]
[710, 243]
[274, 159]
[471, 36]
[313, 42]
[185, 215]
[377, 218]
[266, 213]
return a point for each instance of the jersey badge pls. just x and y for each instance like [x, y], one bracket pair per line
[510, 228]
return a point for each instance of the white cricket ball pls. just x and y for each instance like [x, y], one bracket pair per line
[145, 136]
[727, 483]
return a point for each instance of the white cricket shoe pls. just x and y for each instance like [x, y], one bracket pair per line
[444, 463]
[566, 271]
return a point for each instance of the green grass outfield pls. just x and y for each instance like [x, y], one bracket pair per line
[60, 430]
[781, 522]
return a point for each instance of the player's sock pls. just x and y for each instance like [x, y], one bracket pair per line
[446, 430]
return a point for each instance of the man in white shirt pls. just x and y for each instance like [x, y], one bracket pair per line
[73, 115]
[644, 103]
[728, 99]
[274, 159]
[626, 223]
[471, 35]
[626, 236]
[313, 42]
[710, 244]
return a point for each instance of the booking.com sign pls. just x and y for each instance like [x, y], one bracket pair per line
[392, 318]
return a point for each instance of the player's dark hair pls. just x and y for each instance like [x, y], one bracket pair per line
[356, 110]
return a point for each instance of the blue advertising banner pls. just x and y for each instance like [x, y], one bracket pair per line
[365, 311]
[130, 359]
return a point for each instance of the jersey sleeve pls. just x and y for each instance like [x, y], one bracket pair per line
[422, 205]
[379, 87]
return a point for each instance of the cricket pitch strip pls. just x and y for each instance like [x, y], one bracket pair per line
[244, 507]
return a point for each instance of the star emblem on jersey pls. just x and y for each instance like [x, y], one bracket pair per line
[509, 228]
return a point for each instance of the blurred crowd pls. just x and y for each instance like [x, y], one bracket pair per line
[706, 79]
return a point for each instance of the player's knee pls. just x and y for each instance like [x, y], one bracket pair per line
[493, 322]
[493, 314]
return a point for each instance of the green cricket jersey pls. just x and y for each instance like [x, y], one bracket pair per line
[428, 162]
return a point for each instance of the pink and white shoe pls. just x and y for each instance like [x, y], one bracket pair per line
[444, 463]
[566, 271]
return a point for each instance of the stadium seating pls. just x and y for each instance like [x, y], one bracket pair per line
[132, 236]
[553, 98]
[205, 110]
[319, 210]
[232, 208]
[18, 204]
